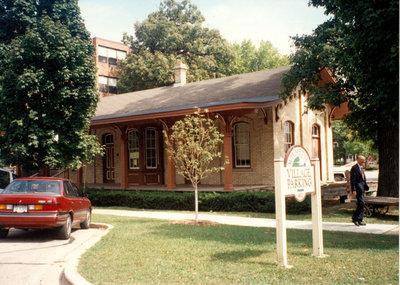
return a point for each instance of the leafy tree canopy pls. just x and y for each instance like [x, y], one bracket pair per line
[47, 85]
[359, 44]
[175, 33]
[348, 143]
[249, 58]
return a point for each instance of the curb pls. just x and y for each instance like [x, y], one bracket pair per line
[70, 275]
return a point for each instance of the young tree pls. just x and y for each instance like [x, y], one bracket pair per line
[47, 85]
[359, 44]
[193, 144]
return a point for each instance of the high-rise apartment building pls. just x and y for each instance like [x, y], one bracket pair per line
[107, 55]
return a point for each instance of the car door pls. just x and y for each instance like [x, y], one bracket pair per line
[73, 201]
[82, 204]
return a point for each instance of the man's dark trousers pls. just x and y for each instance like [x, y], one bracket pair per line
[359, 212]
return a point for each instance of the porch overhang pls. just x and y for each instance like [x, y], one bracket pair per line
[182, 110]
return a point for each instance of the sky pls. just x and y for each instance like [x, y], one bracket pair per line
[237, 20]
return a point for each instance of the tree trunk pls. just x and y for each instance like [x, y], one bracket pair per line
[196, 202]
[388, 145]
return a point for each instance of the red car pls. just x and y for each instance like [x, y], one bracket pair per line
[41, 203]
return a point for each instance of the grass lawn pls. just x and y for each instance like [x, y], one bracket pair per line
[145, 251]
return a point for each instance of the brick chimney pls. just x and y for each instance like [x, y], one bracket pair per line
[180, 74]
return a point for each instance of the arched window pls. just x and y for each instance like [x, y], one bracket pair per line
[108, 139]
[241, 141]
[133, 148]
[151, 148]
[289, 135]
[315, 131]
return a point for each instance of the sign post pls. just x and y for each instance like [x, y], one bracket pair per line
[296, 177]
[280, 214]
[316, 209]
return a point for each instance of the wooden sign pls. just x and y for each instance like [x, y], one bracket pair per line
[297, 176]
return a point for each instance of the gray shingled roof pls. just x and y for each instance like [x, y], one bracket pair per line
[256, 87]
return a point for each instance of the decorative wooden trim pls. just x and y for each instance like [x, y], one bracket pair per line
[265, 115]
[276, 112]
[330, 116]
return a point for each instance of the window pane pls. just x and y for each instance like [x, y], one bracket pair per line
[133, 146]
[102, 51]
[112, 82]
[112, 61]
[242, 145]
[112, 53]
[121, 54]
[4, 179]
[103, 80]
[288, 132]
[102, 59]
[151, 148]
[112, 90]
[315, 131]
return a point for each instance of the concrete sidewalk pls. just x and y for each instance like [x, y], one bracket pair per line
[255, 222]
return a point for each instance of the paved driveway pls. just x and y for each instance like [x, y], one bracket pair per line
[35, 257]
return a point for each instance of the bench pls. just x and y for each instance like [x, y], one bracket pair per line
[373, 204]
[378, 204]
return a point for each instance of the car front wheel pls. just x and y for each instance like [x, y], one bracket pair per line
[65, 230]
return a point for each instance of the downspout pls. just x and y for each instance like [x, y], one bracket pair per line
[326, 147]
[300, 118]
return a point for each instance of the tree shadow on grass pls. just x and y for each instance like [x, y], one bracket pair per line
[241, 256]
[222, 234]
[266, 236]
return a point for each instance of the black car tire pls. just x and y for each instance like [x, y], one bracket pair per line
[86, 223]
[65, 230]
[3, 233]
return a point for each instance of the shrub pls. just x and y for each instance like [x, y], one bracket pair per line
[208, 201]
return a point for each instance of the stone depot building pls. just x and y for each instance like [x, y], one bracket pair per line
[257, 125]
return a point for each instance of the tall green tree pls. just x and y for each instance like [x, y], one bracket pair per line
[249, 58]
[349, 143]
[172, 33]
[47, 85]
[359, 44]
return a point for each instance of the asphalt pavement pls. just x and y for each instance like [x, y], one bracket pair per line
[36, 257]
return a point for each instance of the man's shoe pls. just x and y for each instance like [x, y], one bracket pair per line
[362, 224]
[356, 223]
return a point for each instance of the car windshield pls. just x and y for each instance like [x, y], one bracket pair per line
[39, 187]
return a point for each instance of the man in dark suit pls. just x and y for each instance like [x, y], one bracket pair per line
[358, 187]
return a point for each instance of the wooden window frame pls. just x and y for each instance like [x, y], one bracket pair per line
[146, 147]
[287, 144]
[235, 145]
[132, 148]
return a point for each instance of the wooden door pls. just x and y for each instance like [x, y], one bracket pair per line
[108, 163]
[145, 156]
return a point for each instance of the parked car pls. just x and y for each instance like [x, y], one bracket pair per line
[6, 177]
[41, 203]
[339, 172]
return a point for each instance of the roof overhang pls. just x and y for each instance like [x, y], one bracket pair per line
[175, 111]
